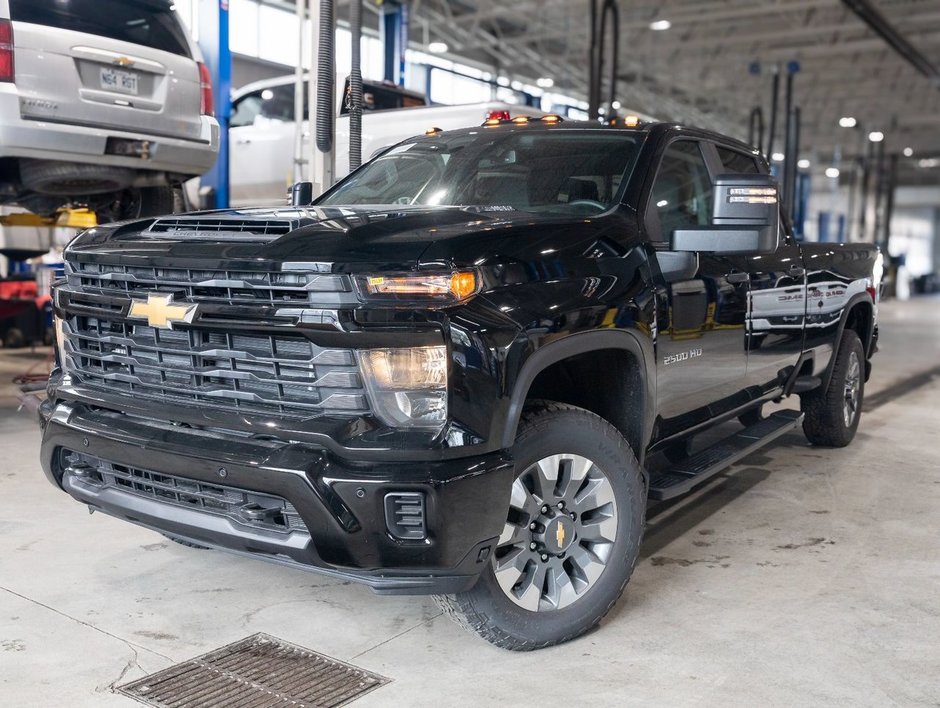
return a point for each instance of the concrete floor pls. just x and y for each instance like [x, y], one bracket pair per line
[802, 577]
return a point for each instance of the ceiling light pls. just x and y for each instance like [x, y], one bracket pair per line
[660, 25]
[876, 136]
[615, 105]
[928, 162]
[803, 164]
[832, 172]
[545, 82]
[437, 47]
[777, 157]
[847, 122]
[908, 152]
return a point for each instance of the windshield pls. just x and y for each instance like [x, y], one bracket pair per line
[543, 171]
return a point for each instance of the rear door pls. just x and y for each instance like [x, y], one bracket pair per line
[121, 64]
[777, 299]
[701, 343]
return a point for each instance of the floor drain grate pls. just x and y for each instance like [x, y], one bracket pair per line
[257, 671]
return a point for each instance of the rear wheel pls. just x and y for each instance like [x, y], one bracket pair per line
[832, 416]
[571, 538]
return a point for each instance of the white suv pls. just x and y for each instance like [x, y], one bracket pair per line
[103, 103]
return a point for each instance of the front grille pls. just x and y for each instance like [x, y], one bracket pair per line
[253, 509]
[248, 373]
[228, 286]
[206, 227]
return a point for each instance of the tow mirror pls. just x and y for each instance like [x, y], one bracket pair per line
[746, 219]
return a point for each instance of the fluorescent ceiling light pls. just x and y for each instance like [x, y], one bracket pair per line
[437, 47]
[832, 172]
[803, 164]
[660, 25]
[847, 122]
[908, 152]
[777, 157]
[545, 82]
[876, 136]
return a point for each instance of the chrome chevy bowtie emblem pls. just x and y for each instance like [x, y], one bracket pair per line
[159, 311]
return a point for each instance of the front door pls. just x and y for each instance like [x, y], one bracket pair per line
[702, 307]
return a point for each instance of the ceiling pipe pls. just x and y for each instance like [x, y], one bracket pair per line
[868, 14]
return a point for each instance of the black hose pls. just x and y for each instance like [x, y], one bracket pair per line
[612, 6]
[774, 100]
[325, 77]
[355, 87]
[755, 135]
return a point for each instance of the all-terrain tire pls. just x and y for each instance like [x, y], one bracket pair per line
[553, 429]
[831, 416]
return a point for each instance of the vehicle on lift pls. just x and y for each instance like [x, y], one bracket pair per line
[262, 126]
[103, 103]
[448, 373]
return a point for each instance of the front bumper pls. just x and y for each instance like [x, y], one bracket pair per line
[341, 503]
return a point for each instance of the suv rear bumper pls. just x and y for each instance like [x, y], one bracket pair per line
[67, 142]
[344, 532]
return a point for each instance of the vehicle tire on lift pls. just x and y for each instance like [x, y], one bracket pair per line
[572, 535]
[138, 203]
[14, 338]
[832, 416]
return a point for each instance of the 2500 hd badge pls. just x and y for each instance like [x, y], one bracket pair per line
[446, 374]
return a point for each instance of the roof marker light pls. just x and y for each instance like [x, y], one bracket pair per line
[433, 131]
[520, 120]
[631, 121]
[551, 118]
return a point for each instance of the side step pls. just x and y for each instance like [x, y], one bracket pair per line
[705, 464]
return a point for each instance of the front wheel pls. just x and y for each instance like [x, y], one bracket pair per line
[571, 538]
[832, 415]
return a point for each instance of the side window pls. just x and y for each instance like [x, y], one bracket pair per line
[682, 192]
[737, 163]
[275, 103]
[245, 110]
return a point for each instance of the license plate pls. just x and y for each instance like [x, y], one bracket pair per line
[120, 81]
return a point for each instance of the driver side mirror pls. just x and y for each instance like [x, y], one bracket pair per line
[746, 219]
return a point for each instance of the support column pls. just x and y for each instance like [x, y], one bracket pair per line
[214, 44]
[394, 36]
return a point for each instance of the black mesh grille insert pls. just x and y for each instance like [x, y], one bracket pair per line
[249, 373]
[263, 511]
[195, 227]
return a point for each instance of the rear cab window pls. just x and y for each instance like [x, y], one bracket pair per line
[149, 23]
[737, 162]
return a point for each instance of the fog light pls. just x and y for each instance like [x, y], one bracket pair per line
[404, 515]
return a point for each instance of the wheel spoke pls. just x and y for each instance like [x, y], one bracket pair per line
[512, 535]
[574, 470]
[510, 568]
[531, 595]
[545, 476]
[599, 528]
[559, 591]
[596, 493]
[589, 564]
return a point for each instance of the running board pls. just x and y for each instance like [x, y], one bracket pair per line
[705, 464]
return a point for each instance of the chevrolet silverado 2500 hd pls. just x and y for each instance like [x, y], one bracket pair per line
[446, 375]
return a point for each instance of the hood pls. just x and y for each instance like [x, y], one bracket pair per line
[347, 237]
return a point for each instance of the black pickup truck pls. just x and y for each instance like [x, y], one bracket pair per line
[448, 374]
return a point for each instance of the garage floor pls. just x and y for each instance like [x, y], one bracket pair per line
[803, 576]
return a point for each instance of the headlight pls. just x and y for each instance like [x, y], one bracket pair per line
[408, 387]
[444, 288]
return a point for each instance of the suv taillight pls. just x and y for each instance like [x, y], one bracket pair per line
[205, 91]
[6, 50]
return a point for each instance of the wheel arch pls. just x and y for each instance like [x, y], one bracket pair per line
[635, 374]
[858, 316]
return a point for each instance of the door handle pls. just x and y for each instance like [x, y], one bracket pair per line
[796, 271]
[738, 277]
[243, 141]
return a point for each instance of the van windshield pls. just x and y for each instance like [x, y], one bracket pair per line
[543, 171]
[150, 23]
